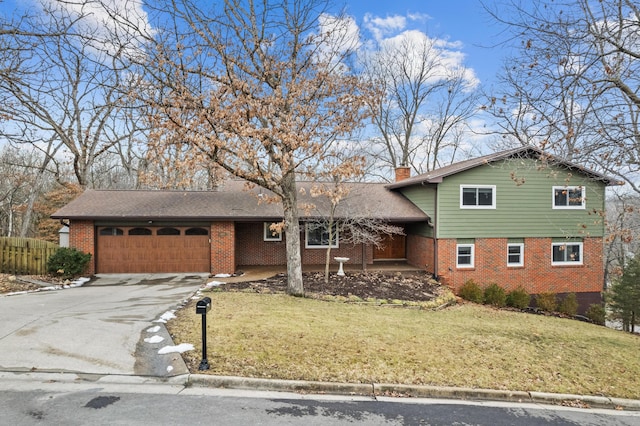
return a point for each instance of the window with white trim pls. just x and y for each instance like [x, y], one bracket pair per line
[317, 236]
[477, 196]
[515, 254]
[566, 254]
[465, 255]
[568, 197]
[268, 234]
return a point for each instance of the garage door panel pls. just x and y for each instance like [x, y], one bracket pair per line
[152, 253]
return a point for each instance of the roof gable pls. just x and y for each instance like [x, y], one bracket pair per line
[436, 176]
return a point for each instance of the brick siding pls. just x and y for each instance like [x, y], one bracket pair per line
[251, 249]
[223, 258]
[537, 275]
[82, 237]
[421, 252]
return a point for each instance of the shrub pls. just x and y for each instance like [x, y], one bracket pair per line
[518, 298]
[495, 295]
[67, 262]
[472, 292]
[596, 313]
[547, 302]
[569, 305]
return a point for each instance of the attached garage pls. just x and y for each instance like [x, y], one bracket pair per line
[152, 249]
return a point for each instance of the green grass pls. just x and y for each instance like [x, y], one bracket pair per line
[278, 336]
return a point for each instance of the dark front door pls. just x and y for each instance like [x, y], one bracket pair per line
[393, 247]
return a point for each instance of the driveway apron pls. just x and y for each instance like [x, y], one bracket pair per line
[93, 329]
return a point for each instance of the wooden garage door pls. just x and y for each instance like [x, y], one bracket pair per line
[124, 249]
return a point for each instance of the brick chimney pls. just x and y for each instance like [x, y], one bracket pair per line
[402, 173]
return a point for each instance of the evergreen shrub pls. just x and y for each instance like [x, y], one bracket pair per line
[495, 295]
[67, 262]
[518, 298]
[472, 292]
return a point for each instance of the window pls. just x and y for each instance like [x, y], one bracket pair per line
[168, 231]
[566, 254]
[268, 234]
[568, 197]
[317, 236]
[464, 256]
[515, 254]
[111, 231]
[478, 197]
[139, 231]
[196, 231]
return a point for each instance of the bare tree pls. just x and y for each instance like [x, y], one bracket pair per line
[63, 88]
[331, 192]
[260, 88]
[572, 85]
[424, 103]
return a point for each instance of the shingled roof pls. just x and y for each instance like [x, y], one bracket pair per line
[437, 175]
[232, 201]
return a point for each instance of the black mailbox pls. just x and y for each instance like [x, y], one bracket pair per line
[203, 306]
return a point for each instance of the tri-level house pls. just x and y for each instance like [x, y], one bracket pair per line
[516, 218]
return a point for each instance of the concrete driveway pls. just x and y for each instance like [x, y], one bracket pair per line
[99, 328]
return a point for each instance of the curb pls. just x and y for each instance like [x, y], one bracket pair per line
[372, 390]
[376, 390]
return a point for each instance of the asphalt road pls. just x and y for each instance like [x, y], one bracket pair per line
[33, 403]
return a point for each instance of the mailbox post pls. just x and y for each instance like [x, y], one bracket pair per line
[202, 307]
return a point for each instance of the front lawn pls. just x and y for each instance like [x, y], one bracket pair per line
[279, 336]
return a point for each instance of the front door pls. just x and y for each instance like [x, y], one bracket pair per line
[393, 247]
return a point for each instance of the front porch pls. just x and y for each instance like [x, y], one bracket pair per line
[253, 272]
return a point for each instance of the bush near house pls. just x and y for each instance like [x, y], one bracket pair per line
[495, 295]
[67, 262]
[518, 298]
[472, 292]
[568, 305]
[547, 302]
[596, 313]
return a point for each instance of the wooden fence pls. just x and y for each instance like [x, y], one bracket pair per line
[25, 256]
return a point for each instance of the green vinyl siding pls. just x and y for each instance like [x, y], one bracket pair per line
[425, 198]
[524, 203]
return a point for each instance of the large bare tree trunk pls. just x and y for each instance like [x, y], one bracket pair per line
[295, 286]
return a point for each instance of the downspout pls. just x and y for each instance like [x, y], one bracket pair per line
[435, 233]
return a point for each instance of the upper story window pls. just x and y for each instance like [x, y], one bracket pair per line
[317, 236]
[477, 196]
[566, 254]
[568, 197]
[268, 234]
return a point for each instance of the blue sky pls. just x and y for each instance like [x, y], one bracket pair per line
[463, 21]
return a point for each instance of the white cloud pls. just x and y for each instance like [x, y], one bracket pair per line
[381, 27]
[113, 25]
[342, 33]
